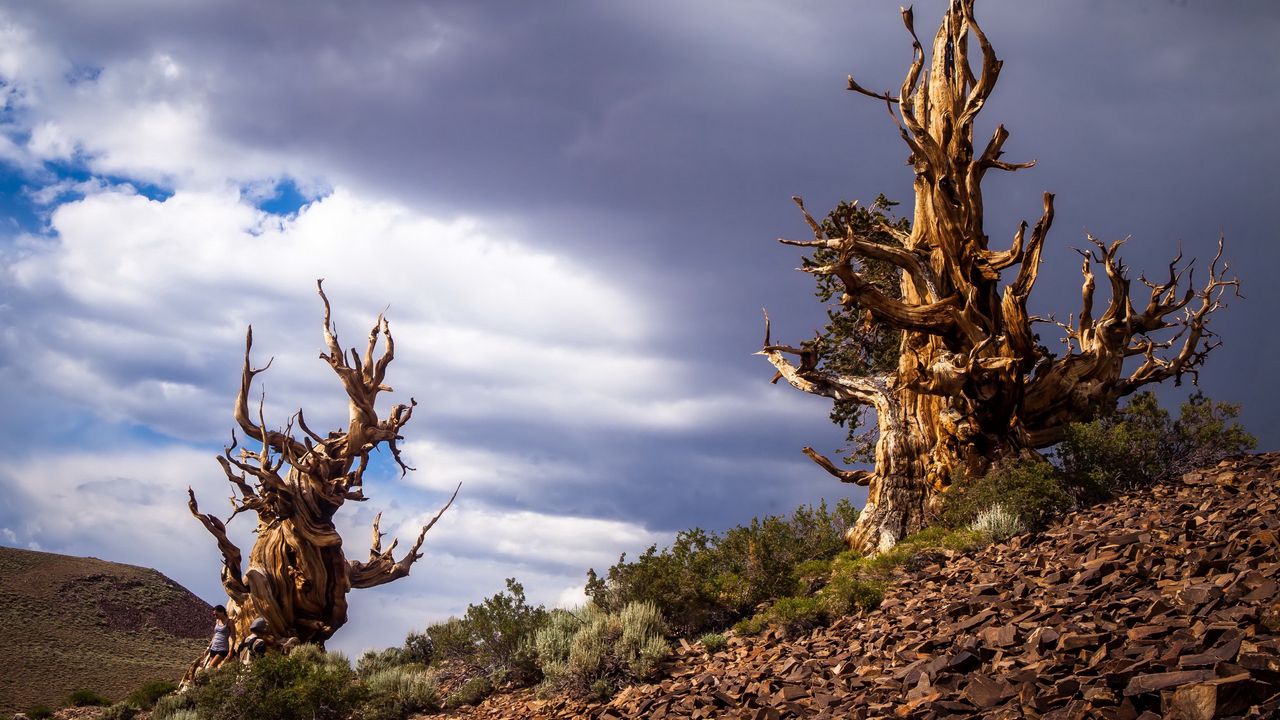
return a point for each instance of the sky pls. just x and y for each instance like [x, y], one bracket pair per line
[569, 213]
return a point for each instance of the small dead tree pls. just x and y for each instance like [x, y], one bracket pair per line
[298, 577]
[971, 382]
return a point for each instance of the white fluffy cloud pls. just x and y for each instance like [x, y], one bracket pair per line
[136, 308]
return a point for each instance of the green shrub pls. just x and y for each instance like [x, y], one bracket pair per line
[471, 692]
[705, 581]
[86, 698]
[183, 715]
[797, 614]
[1030, 489]
[502, 626]
[375, 661]
[1141, 444]
[601, 690]
[304, 685]
[854, 583]
[713, 642]
[119, 711]
[493, 638]
[39, 712]
[419, 648]
[451, 639]
[753, 625]
[145, 697]
[397, 692]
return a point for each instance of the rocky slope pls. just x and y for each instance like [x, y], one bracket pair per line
[69, 623]
[1164, 603]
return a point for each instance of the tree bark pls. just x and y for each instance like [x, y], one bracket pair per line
[973, 384]
[298, 577]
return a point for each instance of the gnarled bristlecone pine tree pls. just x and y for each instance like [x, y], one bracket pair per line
[298, 577]
[931, 335]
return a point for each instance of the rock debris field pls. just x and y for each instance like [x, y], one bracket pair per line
[1162, 603]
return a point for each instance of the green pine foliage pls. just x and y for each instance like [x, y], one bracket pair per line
[848, 344]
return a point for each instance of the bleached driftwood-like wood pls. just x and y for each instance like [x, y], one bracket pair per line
[973, 383]
[297, 577]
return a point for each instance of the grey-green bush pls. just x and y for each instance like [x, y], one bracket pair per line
[119, 711]
[576, 650]
[400, 691]
[471, 692]
[375, 661]
[998, 524]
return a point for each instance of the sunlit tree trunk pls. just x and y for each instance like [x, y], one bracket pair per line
[973, 384]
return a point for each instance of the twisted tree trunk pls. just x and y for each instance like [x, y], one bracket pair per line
[298, 576]
[972, 383]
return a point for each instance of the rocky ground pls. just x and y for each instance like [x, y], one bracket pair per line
[1164, 603]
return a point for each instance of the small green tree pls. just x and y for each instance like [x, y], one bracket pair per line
[1141, 444]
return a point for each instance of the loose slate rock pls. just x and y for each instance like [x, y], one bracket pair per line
[1161, 603]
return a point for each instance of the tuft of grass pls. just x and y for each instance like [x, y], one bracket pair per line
[998, 524]
[713, 642]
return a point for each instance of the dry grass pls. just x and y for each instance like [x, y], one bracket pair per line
[68, 623]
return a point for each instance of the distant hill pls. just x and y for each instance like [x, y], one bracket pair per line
[70, 622]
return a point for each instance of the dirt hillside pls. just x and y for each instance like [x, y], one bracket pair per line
[1164, 603]
[68, 623]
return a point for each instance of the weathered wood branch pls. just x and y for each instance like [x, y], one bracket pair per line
[382, 567]
[297, 576]
[856, 477]
[232, 578]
